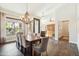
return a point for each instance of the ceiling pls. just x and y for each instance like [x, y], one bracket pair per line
[38, 9]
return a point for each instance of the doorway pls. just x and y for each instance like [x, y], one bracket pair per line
[64, 30]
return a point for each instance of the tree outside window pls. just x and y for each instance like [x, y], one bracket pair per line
[12, 28]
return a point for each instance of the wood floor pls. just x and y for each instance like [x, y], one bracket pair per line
[55, 48]
[10, 50]
[62, 48]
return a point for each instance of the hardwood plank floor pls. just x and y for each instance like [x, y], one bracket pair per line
[10, 50]
[55, 48]
[62, 48]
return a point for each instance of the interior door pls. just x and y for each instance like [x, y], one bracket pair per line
[64, 30]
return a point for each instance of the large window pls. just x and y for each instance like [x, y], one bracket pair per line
[12, 28]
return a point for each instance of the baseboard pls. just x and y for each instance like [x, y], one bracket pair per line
[78, 46]
[9, 42]
[72, 42]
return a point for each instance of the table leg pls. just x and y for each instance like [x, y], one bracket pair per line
[31, 48]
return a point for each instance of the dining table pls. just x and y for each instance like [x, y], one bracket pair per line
[32, 39]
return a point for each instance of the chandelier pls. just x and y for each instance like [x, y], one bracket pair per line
[26, 18]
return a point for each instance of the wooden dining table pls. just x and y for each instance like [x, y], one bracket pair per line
[32, 40]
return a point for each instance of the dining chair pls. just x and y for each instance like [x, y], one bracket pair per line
[42, 47]
[43, 33]
[25, 45]
[37, 35]
[19, 40]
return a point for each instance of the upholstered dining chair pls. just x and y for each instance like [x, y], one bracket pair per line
[19, 40]
[42, 47]
[42, 33]
[25, 45]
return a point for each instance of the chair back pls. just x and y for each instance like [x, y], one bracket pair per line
[43, 33]
[23, 41]
[17, 40]
[19, 37]
[44, 43]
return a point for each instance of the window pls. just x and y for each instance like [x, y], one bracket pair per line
[12, 26]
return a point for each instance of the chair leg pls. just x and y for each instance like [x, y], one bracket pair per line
[21, 49]
[46, 53]
[32, 52]
[41, 54]
[24, 51]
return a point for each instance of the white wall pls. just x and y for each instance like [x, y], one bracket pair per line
[73, 32]
[68, 12]
[65, 12]
[78, 33]
[45, 19]
[56, 29]
[43, 23]
[78, 25]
